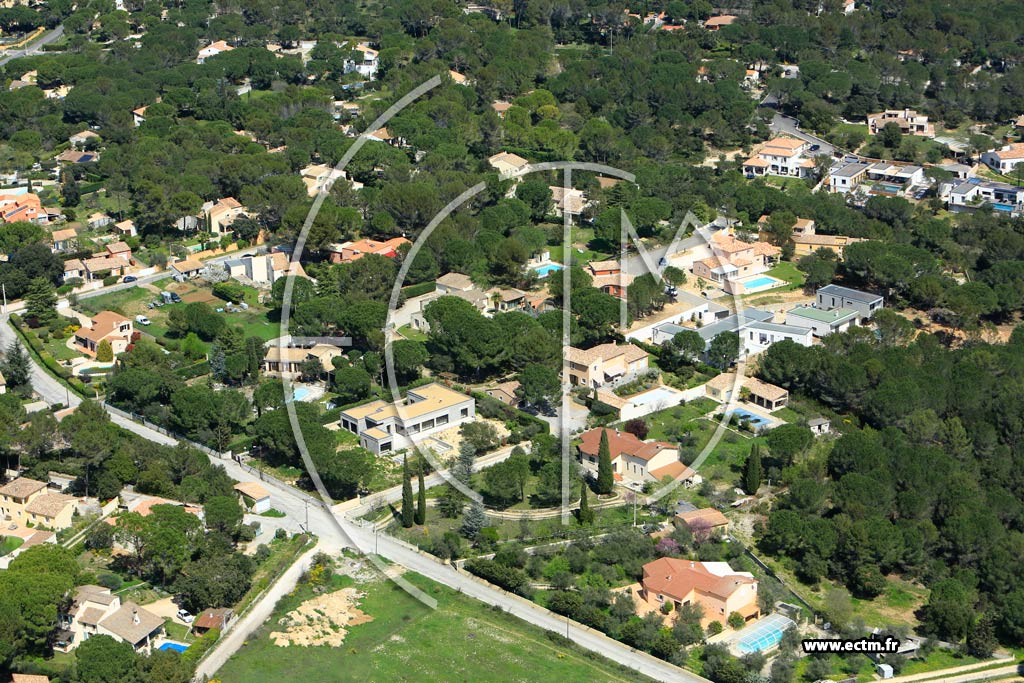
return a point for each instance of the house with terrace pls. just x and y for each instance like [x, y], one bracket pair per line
[908, 120]
[107, 326]
[633, 460]
[604, 365]
[609, 278]
[567, 201]
[22, 206]
[822, 322]
[781, 156]
[715, 586]
[95, 611]
[974, 193]
[734, 264]
[831, 297]
[353, 251]
[365, 62]
[220, 215]
[1006, 158]
[804, 245]
[290, 361]
[385, 427]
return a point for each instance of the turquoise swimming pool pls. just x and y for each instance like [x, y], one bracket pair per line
[547, 269]
[763, 635]
[300, 394]
[177, 647]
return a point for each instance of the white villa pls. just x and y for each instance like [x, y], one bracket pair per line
[1005, 159]
[782, 156]
[385, 427]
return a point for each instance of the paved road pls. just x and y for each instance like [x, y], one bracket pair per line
[303, 512]
[790, 126]
[35, 47]
[954, 674]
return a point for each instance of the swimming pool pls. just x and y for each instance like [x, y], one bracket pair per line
[761, 282]
[889, 187]
[547, 269]
[300, 393]
[762, 635]
[750, 417]
[177, 647]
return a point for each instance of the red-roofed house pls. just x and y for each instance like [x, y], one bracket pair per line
[353, 251]
[22, 207]
[713, 585]
[734, 260]
[113, 327]
[633, 459]
[782, 156]
[212, 50]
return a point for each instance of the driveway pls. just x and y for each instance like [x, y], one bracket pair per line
[790, 126]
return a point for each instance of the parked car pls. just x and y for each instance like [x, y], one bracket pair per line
[129, 278]
[175, 298]
[815, 148]
[142, 320]
[185, 616]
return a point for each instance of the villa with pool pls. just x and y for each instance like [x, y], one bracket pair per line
[738, 267]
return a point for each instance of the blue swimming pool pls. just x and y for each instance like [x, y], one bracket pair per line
[547, 269]
[762, 635]
[177, 647]
[889, 187]
[756, 420]
[1008, 208]
[763, 281]
[300, 394]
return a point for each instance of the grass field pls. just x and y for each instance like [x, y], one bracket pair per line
[462, 640]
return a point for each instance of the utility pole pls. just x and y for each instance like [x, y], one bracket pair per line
[307, 514]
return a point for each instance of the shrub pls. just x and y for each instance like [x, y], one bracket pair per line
[104, 352]
[229, 291]
[110, 280]
[111, 581]
[735, 620]
[715, 627]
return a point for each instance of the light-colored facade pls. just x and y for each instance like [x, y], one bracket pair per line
[109, 326]
[804, 245]
[822, 322]
[1006, 158]
[715, 586]
[781, 156]
[508, 164]
[366, 64]
[831, 297]
[254, 497]
[632, 459]
[603, 365]
[95, 611]
[263, 269]
[975, 193]
[732, 260]
[288, 362]
[385, 427]
[909, 121]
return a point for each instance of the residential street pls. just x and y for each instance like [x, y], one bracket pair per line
[35, 47]
[790, 126]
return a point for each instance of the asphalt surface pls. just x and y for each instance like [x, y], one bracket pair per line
[36, 47]
[790, 126]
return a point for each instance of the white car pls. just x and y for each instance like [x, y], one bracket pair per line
[185, 616]
[142, 320]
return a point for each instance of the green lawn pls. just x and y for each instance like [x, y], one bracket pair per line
[9, 544]
[119, 302]
[408, 332]
[462, 640]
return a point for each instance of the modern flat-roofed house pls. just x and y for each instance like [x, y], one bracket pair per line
[353, 251]
[105, 325]
[975, 193]
[831, 297]
[781, 156]
[507, 164]
[759, 335]
[706, 521]
[604, 364]
[822, 322]
[909, 121]
[633, 459]
[845, 176]
[1006, 158]
[384, 427]
[715, 586]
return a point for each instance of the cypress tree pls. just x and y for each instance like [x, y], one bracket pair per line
[408, 511]
[752, 470]
[421, 498]
[586, 516]
[605, 478]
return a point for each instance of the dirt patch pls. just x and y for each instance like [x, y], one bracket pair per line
[323, 620]
[202, 295]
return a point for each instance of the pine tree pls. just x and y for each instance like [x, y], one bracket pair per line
[752, 470]
[17, 367]
[605, 478]
[408, 512]
[473, 521]
[586, 516]
[41, 301]
[421, 498]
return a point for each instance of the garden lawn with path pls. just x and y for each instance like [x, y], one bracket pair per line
[461, 640]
